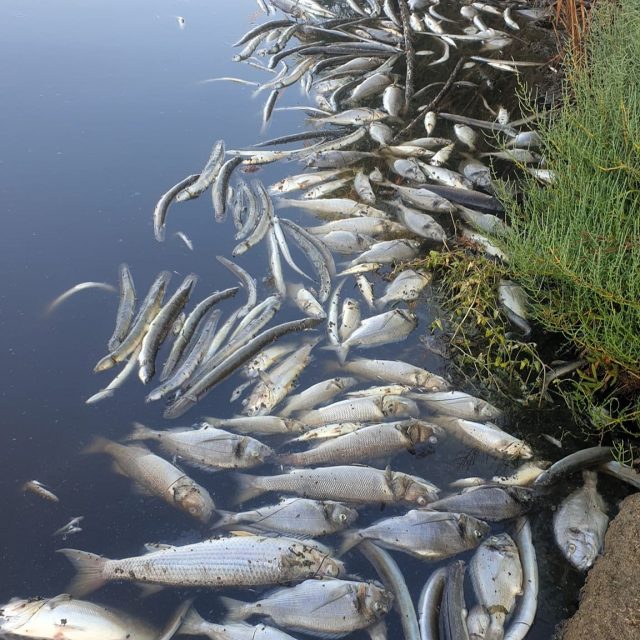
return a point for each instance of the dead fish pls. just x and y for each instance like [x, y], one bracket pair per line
[496, 575]
[395, 371]
[79, 287]
[155, 476]
[406, 287]
[351, 484]
[580, 523]
[38, 489]
[513, 301]
[427, 535]
[70, 528]
[294, 516]
[489, 502]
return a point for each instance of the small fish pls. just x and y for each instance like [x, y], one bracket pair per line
[180, 21]
[429, 604]
[580, 523]
[70, 528]
[185, 238]
[38, 489]
[75, 289]
[395, 371]
[466, 135]
[126, 308]
[406, 287]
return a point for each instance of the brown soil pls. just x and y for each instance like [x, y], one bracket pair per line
[610, 602]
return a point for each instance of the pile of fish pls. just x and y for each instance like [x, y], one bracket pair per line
[376, 192]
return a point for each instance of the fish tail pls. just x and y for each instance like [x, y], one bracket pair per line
[341, 350]
[89, 571]
[140, 432]
[349, 540]
[237, 610]
[590, 479]
[98, 445]
[192, 624]
[225, 519]
[247, 487]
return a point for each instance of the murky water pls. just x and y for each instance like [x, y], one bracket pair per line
[103, 109]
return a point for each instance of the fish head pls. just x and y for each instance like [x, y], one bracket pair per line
[580, 548]
[17, 612]
[194, 500]
[340, 515]
[251, 449]
[413, 489]
[472, 530]
[518, 450]
[420, 433]
[375, 600]
[397, 405]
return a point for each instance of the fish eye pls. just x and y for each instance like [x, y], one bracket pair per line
[478, 533]
[377, 606]
[342, 517]
[422, 501]
[572, 547]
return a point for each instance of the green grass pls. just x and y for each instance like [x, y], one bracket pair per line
[575, 245]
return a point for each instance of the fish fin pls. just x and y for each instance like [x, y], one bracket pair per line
[89, 571]
[117, 469]
[192, 623]
[341, 350]
[147, 590]
[237, 610]
[246, 488]
[176, 620]
[152, 547]
[140, 432]
[98, 445]
[590, 479]
[140, 490]
[225, 519]
[349, 540]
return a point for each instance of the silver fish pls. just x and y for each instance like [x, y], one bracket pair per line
[75, 289]
[324, 608]
[352, 484]
[452, 618]
[363, 188]
[305, 301]
[207, 448]
[424, 199]
[317, 394]
[267, 425]
[489, 502]
[66, 617]
[155, 476]
[267, 358]
[357, 116]
[385, 328]
[162, 207]
[69, 528]
[149, 309]
[460, 405]
[496, 575]
[241, 561]
[364, 409]
[159, 328]
[373, 85]
[395, 371]
[195, 625]
[393, 100]
[513, 301]
[466, 135]
[207, 176]
[427, 535]
[486, 437]
[406, 286]
[350, 318]
[580, 523]
[429, 604]
[38, 489]
[420, 223]
[375, 441]
[294, 516]
[126, 308]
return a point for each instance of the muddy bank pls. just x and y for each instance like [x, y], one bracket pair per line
[610, 603]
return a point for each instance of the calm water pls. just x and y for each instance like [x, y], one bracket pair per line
[102, 111]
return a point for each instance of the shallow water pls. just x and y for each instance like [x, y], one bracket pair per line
[102, 111]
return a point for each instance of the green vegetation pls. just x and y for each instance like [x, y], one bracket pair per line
[575, 245]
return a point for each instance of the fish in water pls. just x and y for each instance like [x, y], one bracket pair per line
[580, 523]
[38, 489]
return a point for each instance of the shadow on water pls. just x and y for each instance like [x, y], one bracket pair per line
[103, 110]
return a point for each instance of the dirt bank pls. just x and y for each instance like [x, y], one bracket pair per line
[610, 603]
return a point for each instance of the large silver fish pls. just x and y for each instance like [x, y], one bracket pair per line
[496, 575]
[324, 608]
[427, 535]
[353, 484]
[240, 561]
[66, 618]
[395, 371]
[580, 523]
[208, 448]
[155, 476]
[295, 516]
